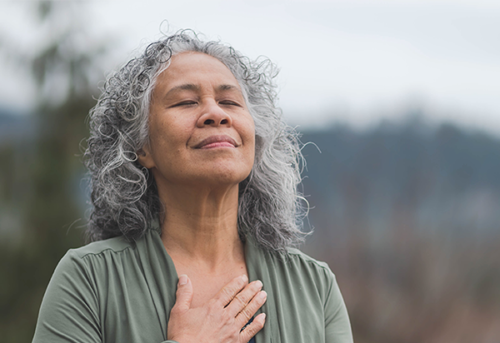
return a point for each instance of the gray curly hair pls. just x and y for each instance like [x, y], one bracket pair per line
[124, 195]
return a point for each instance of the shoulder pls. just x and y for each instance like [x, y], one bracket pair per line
[95, 259]
[297, 269]
[296, 254]
[85, 271]
[292, 263]
[318, 271]
[319, 274]
[99, 266]
[111, 246]
[301, 262]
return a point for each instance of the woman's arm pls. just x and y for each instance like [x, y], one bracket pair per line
[337, 325]
[69, 310]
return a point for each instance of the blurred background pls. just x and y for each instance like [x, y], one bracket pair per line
[400, 99]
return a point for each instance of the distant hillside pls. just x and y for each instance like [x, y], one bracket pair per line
[441, 179]
[408, 219]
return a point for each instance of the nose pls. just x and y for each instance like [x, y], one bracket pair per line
[214, 115]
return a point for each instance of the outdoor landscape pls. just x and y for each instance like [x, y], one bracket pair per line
[406, 213]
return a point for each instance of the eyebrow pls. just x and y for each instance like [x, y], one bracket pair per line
[184, 87]
[228, 88]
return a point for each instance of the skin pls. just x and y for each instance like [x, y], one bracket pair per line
[201, 146]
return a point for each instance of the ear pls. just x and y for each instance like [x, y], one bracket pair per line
[145, 158]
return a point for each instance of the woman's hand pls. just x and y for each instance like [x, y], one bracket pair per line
[221, 319]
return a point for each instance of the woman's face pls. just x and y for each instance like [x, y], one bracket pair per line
[200, 128]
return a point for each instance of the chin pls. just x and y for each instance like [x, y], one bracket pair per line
[224, 171]
[226, 178]
[225, 175]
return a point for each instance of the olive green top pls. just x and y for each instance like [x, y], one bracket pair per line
[115, 291]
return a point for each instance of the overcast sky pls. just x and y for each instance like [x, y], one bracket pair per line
[349, 61]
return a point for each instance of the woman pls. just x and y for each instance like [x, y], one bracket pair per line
[195, 208]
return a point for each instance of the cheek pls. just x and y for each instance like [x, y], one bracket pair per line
[249, 128]
[169, 133]
[159, 137]
[251, 136]
[251, 147]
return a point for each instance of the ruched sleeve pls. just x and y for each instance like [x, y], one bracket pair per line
[111, 291]
[69, 310]
[337, 324]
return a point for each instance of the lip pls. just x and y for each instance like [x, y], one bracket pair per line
[217, 141]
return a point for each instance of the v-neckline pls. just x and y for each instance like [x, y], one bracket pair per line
[255, 259]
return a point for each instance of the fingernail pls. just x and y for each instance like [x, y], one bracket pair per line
[183, 279]
[258, 283]
[244, 278]
[262, 295]
[263, 318]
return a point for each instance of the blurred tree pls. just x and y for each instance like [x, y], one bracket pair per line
[64, 70]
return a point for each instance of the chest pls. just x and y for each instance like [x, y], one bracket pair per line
[135, 306]
[207, 284]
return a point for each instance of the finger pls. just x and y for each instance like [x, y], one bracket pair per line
[252, 329]
[184, 294]
[253, 306]
[227, 293]
[240, 300]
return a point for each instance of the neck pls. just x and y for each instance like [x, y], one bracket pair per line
[200, 226]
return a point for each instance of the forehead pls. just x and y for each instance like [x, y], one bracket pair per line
[195, 68]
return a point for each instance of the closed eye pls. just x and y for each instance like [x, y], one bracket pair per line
[185, 103]
[229, 103]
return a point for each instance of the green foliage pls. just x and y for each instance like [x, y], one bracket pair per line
[50, 215]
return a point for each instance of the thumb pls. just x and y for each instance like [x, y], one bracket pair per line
[184, 293]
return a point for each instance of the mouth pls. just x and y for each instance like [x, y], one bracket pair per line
[218, 141]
